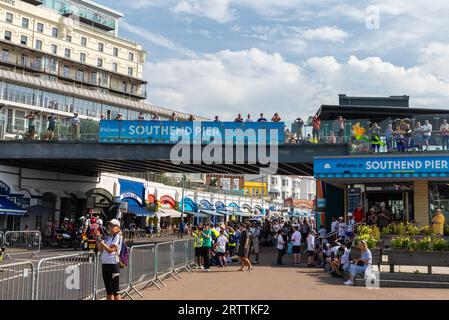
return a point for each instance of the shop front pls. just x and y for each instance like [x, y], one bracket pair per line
[408, 187]
[13, 207]
[133, 194]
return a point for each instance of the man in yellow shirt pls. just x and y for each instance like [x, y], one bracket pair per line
[438, 222]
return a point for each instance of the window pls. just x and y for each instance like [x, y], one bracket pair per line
[67, 53]
[115, 51]
[25, 23]
[131, 56]
[54, 49]
[8, 35]
[54, 32]
[100, 46]
[38, 44]
[284, 182]
[93, 78]
[115, 66]
[82, 57]
[40, 27]
[99, 62]
[66, 71]
[23, 40]
[5, 55]
[130, 71]
[9, 17]
[124, 86]
[80, 75]
[83, 41]
[68, 38]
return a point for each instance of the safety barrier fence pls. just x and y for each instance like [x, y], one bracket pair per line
[2, 238]
[17, 281]
[79, 276]
[22, 242]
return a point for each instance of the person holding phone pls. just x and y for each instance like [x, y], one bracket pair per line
[110, 253]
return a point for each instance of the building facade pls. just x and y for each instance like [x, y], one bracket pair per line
[281, 188]
[66, 56]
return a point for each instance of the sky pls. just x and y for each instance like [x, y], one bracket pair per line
[224, 57]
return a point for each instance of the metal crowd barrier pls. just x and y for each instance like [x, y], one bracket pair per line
[17, 281]
[2, 238]
[164, 265]
[79, 276]
[100, 290]
[190, 255]
[142, 268]
[20, 242]
[68, 277]
[179, 256]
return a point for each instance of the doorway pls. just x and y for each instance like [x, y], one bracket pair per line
[398, 202]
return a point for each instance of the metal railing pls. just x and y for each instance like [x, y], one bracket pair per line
[17, 281]
[21, 242]
[69, 277]
[143, 268]
[79, 276]
[190, 254]
[179, 257]
[2, 238]
[334, 233]
[164, 266]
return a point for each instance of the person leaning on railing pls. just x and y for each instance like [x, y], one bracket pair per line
[75, 127]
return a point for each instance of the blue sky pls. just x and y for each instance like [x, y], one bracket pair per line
[289, 56]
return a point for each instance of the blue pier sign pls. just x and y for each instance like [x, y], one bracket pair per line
[171, 132]
[382, 167]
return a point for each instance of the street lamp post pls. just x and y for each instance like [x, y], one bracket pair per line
[183, 195]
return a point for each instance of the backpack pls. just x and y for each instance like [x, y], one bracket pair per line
[124, 254]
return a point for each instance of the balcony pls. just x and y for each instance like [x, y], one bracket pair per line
[34, 2]
[89, 17]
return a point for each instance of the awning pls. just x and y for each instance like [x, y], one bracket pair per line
[9, 208]
[197, 214]
[34, 193]
[77, 194]
[166, 212]
[39, 210]
[139, 211]
[212, 212]
[243, 214]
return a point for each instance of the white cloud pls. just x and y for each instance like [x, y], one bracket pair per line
[332, 34]
[141, 4]
[229, 82]
[157, 39]
[434, 59]
[218, 10]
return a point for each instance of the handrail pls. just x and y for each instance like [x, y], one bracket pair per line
[330, 234]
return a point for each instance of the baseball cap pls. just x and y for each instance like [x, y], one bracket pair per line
[340, 218]
[114, 222]
[349, 214]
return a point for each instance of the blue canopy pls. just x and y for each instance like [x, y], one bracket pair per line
[9, 208]
[211, 212]
[135, 208]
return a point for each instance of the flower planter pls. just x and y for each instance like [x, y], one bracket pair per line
[418, 258]
[386, 239]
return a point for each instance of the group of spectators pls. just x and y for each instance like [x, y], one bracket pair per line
[220, 245]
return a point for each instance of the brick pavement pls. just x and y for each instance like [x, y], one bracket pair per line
[268, 281]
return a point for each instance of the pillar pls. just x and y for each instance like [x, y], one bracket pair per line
[421, 202]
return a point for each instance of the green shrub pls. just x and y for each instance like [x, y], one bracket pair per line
[440, 245]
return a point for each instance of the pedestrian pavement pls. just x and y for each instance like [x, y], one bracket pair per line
[268, 281]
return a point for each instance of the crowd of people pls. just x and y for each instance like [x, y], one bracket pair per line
[403, 135]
